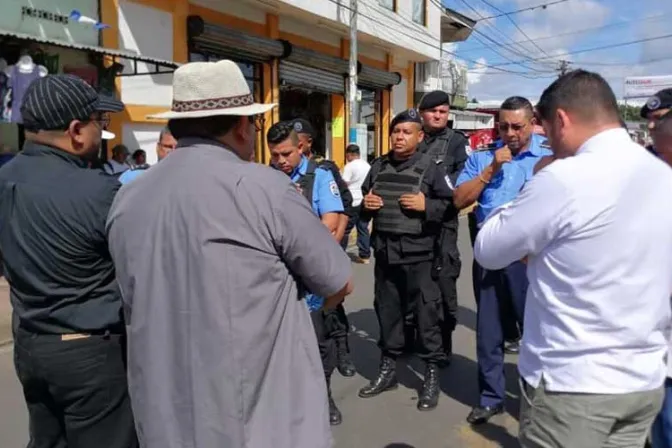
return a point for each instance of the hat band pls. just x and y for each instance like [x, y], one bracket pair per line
[213, 103]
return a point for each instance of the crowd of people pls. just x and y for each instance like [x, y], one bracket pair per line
[213, 314]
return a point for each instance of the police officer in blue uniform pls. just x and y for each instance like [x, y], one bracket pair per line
[320, 189]
[494, 178]
[400, 192]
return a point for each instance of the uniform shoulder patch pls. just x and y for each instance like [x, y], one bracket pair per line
[333, 187]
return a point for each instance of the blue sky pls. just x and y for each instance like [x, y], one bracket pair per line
[567, 27]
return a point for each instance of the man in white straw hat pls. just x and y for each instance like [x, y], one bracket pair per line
[221, 351]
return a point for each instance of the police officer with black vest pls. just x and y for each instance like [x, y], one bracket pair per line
[406, 195]
[451, 149]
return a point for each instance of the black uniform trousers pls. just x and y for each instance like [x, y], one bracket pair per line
[75, 390]
[447, 279]
[402, 290]
[325, 343]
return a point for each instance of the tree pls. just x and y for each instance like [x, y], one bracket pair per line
[474, 100]
[629, 113]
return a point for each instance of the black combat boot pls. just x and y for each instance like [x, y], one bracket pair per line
[344, 363]
[386, 379]
[429, 396]
[335, 417]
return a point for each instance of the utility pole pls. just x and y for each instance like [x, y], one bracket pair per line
[352, 75]
[563, 68]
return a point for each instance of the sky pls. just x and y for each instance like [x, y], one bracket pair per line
[570, 26]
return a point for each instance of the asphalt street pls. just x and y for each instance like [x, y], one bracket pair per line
[390, 420]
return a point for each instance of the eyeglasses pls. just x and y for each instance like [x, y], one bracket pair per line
[515, 127]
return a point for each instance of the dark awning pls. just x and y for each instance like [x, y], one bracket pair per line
[160, 65]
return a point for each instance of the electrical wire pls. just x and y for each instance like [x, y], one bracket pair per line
[529, 8]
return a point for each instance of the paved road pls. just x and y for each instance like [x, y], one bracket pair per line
[388, 421]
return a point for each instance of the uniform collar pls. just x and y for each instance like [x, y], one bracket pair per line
[301, 169]
[38, 149]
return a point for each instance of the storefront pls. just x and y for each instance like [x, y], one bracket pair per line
[37, 39]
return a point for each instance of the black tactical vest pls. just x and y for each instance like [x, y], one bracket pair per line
[307, 182]
[438, 149]
[390, 184]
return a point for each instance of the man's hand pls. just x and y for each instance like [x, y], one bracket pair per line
[413, 201]
[373, 202]
[502, 156]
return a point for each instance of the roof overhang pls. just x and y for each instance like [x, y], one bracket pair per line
[119, 56]
[455, 27]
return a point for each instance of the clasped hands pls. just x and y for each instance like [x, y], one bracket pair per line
[409, 201]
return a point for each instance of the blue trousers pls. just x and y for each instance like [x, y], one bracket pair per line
[661, 434]
[493, 289]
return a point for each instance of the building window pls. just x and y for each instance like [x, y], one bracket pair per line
[420, 11]
[388, 4]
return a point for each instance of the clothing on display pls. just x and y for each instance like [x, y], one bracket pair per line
[21, 76]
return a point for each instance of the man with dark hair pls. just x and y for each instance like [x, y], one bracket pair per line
[69, 336]
[354, 173]
[592, 360]
[450, 148]
[494, 178]
[399, 192]
[317, 185]
[222, 348]
[118, 163]
[656, 107]
[337, 323]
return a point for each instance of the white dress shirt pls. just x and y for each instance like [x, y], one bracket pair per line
[354, 175]
[597, 228]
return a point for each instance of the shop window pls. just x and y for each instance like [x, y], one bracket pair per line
[369, 110]
[296, 102]
[388, 4]
[420, 12]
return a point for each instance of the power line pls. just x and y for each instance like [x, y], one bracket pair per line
[430, 44]
[589, 50]
[571, 33]
[529, 8]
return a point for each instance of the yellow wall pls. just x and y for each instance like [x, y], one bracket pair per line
[136, 113]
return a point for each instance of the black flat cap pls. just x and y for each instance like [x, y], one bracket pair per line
[434, 99]
[661, 100]
[303, 126]
[53, 102]
[407, 116]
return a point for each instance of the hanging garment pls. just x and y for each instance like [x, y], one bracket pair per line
[19, 83]
[4, 97]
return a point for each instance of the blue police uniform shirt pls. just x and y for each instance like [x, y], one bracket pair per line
[326, 199]
[508, 182]
[130, 175]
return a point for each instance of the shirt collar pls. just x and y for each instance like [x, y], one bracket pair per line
[33, 148]
[192, 141]
[604, 138]
[301, 169]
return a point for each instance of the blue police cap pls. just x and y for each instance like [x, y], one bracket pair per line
[407, 116]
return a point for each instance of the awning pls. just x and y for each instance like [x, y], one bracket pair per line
[159, 65]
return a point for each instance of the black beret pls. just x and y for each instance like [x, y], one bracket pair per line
[303, 126]
[407, 116]
[434, 99]
[661, 100]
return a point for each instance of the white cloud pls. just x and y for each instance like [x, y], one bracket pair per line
[476, 73]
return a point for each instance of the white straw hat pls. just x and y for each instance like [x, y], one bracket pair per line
[207, 89]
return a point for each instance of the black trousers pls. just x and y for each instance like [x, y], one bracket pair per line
[402, 290]
[325, 343]
[337, 325]
[75, 390]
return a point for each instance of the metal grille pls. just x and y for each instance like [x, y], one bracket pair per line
[311, 78]
[374, 78]
[233, 44]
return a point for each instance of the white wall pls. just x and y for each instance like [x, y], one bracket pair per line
[142, 136]
[147, 31]
[237, 8]
[400, 97]
[311, 31]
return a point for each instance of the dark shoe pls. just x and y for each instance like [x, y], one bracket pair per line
[480, 415]
[386, 379]
[335, 417]
[429, 396]
[512, 348]
[344, 363]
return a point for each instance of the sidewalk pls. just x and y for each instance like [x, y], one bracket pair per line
[5, 314]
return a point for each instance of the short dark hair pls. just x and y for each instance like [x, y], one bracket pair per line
[584, 94]
[120, 149]
[352, 149]
[518, 103]
[280, 132]
[204, 127]
[139, 152]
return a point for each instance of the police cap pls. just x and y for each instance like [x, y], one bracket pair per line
[407, 116]
[434, 99]
[661, 100]
[303, 126]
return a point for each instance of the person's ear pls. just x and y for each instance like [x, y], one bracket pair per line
[76, 131]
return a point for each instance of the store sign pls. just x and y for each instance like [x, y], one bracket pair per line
[51, 19]
[645, 86]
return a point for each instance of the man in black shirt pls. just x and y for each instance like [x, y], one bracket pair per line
[68, 329]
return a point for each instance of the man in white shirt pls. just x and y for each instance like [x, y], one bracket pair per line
[596, 228]
[354, 173]
[661, 434]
